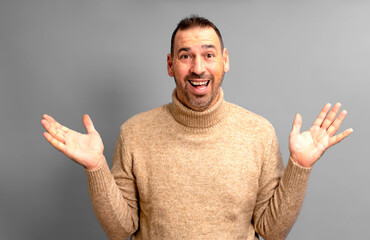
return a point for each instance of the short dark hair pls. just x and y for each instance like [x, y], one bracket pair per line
[191, 22]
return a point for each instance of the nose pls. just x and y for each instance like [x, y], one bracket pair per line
[198, 66]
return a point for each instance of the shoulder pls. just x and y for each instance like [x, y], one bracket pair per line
[145, 121]
[248, 120]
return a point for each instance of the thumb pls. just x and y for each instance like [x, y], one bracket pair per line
[88, 124]
[297, 124]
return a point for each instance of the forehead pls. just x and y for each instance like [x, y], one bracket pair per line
[195, 37]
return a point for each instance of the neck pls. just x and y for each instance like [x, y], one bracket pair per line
[200, 109]
[199, 119]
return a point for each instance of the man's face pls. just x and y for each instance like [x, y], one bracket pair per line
[198, 65]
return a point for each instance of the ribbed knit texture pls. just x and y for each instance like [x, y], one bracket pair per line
[181, 174]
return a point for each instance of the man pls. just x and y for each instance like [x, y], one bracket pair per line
[199, 167]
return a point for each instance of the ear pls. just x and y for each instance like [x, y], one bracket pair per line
[225, 57]
[170, 65]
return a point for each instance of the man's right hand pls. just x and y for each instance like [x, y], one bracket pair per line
[85, 149]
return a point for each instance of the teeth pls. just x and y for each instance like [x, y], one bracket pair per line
[198, 83]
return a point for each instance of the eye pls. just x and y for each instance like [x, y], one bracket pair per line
[185, 56]
[210, 55]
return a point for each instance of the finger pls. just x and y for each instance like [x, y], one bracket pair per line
[51, 120]
[336, 124]
[48, 118]
[297, 124]
[49, 127]
[59, 134]
[322, 115]
[45, 124]
[338, 138]
[88, 124]
[54, 142]
[331, 116]
[54, 123]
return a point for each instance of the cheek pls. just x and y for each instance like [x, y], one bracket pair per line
[216, 69]
[178, 76]
[181, 70]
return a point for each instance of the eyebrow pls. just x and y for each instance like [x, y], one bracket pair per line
[205, 46]
[185, 49]
[209, 46]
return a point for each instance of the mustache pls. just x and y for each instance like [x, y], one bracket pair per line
[198, 76]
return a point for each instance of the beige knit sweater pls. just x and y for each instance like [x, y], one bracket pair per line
[181, 174]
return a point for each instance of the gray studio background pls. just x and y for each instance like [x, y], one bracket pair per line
[108, 59]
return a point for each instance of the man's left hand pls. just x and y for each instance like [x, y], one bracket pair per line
[307, 147]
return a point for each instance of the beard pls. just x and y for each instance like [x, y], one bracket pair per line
[194, 101]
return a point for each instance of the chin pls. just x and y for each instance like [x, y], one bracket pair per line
[202, 105]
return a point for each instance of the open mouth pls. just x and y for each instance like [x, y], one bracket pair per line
[199, 84]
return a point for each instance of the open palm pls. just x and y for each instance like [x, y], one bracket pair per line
[85, 149]
[307, 147]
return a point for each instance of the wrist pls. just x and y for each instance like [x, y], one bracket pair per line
[297, 161]
[96, 165]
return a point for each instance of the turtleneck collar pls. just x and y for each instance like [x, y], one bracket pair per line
[195, 119]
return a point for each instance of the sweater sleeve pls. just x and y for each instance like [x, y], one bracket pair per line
[280, 196]
[113, 195]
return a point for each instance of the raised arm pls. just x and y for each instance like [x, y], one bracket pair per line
[117, 215]
[85, 149]
[307, 147]
[275, 216]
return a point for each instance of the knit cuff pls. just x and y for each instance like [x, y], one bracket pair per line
[296, 176]
[99, 179]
